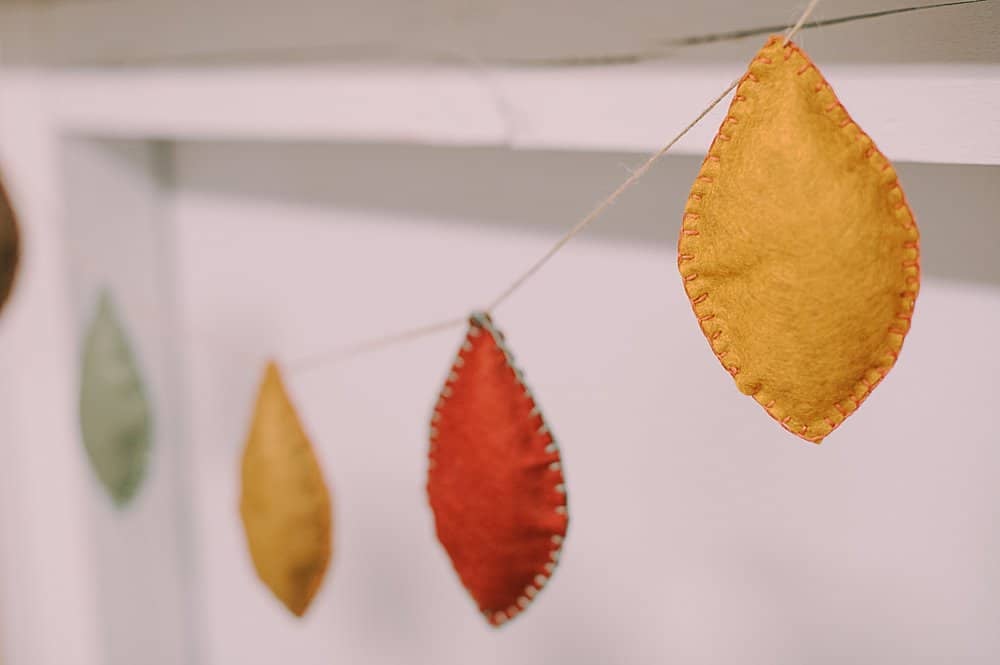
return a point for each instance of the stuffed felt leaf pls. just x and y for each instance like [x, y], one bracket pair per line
[797, 248]
[115, 419]
[10, 246]
[495, 480]
[285, 504]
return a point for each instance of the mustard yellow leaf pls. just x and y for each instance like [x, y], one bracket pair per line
[798, 250]
[285, 504]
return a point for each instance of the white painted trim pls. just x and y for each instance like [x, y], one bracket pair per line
[927, 113]
[48, 592]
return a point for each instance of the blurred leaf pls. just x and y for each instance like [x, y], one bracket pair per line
[115, 417]
[10, 246]
[285, 502]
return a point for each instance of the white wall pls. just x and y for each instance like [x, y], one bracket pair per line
[117, 234]
[700, 531]
[49, 593]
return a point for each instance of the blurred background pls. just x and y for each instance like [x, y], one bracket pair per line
[260, 179]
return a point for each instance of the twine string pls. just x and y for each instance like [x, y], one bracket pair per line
[373, 344]
[369, 50]
[410, 334]
[366, 346]
[592, 216]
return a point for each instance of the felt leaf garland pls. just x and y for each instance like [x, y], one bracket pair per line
[115, 419]
[797, 249]
[10, 246]
[285, 504]
[495, 479]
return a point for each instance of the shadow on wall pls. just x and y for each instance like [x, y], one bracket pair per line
[550, 190]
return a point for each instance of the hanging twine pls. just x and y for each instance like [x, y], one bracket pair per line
[341, 353]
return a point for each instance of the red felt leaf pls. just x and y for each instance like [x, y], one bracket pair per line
[495, 481]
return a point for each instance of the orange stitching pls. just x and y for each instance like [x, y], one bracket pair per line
[690, 232]
[685, 257]
[802, 71]
[910, 281]
[700, 299]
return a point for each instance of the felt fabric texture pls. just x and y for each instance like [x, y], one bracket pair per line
[115, 415]
[798, 250]
[285, 504]
[495, 480]
[10, 246]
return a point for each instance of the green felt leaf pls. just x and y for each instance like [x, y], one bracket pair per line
[115, 417]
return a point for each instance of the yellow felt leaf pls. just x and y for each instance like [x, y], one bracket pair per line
[797, 248]
[285, 504]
